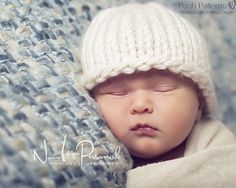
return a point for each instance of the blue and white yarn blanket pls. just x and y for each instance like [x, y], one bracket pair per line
[51, 134]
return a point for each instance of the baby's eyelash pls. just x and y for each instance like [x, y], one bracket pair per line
[164, 88]
[118, 93]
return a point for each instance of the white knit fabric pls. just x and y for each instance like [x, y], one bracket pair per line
[139, 37]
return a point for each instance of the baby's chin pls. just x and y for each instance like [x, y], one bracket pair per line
[145, 155]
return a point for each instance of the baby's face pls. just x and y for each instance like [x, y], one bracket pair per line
[149, 112]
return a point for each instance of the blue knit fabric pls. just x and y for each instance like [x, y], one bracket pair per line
[50, 132]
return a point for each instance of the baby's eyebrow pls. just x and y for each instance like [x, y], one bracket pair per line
[117, 82]
[115, 85]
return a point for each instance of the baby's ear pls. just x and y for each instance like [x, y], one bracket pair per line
[202, 106]
[199, 113]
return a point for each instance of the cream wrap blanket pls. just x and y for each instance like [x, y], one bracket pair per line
[209, 161]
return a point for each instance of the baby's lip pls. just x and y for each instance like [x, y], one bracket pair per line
[141, 125]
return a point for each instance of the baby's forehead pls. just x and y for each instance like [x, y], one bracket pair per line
[151, 76]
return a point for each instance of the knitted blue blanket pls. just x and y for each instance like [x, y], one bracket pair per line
[51, 134]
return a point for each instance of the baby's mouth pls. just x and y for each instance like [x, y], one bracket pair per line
[144, 130]
[142, 126]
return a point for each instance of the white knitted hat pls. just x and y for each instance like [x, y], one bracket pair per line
[140, 37]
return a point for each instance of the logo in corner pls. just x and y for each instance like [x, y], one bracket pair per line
[232, 4]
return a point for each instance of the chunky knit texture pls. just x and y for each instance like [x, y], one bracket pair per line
[139, 37]
[40, 109]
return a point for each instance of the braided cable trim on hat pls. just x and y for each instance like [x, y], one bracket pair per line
[164, 63]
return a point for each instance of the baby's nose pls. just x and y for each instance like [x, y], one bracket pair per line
[141, 103]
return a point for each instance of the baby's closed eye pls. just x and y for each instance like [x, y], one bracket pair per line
[120, 92]
[164, 88]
